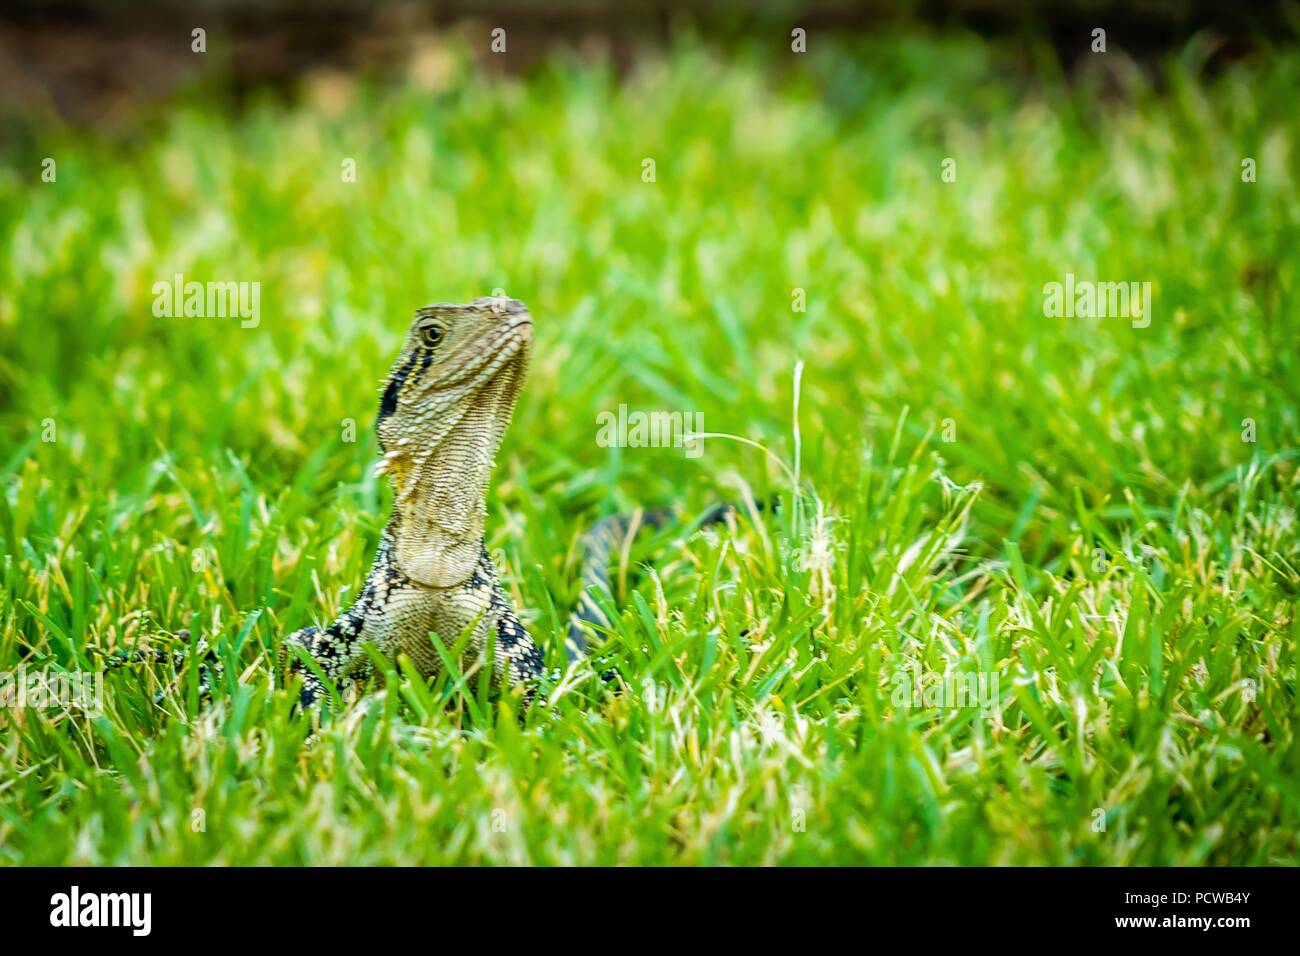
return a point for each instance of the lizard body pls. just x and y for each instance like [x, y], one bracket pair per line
[445, 407]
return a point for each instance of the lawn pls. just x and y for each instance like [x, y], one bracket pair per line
[1091, 520]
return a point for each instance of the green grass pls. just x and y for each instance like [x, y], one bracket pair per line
[1096, 535]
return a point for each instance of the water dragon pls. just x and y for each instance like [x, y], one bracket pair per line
[446, 404]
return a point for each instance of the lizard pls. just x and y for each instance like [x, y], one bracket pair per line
[446, 404]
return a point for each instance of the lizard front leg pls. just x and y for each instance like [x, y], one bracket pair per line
[338, 648]
[336, 651]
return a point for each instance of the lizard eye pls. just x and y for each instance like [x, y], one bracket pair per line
[431, 335]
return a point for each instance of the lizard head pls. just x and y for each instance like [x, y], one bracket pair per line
[445, 407]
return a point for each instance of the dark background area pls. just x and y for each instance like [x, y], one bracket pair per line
[98, 61]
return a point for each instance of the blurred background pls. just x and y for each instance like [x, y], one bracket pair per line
[97, 61]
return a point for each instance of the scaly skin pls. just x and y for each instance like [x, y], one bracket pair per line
[446, 405]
